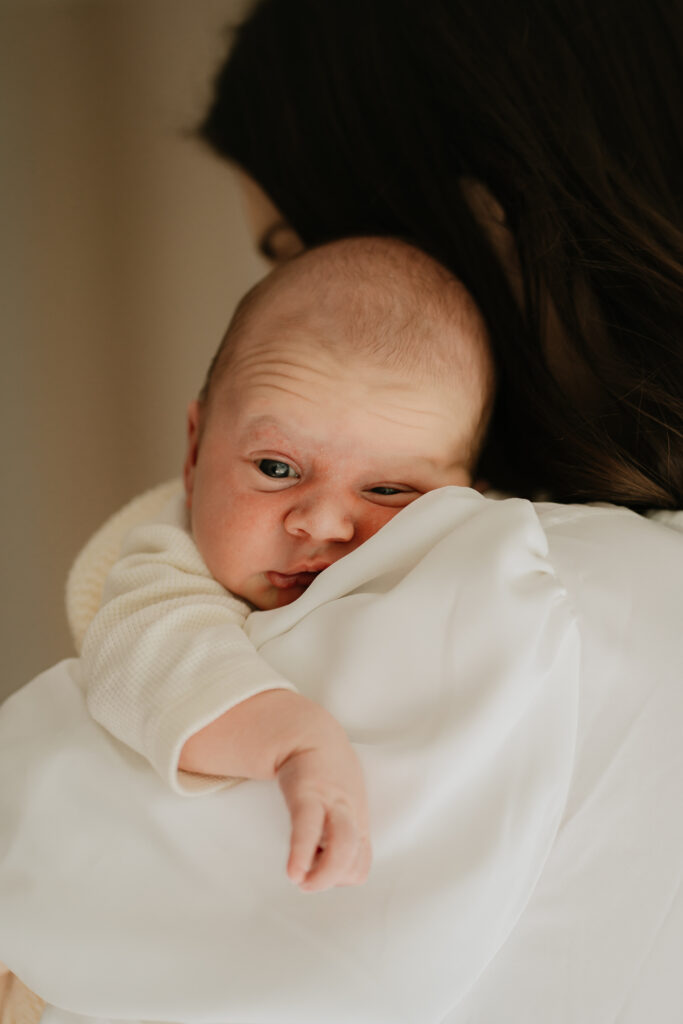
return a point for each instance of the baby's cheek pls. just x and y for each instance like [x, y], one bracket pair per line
[374, 520]
[226, 549]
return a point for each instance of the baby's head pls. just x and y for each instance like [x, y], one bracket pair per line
[351, 380]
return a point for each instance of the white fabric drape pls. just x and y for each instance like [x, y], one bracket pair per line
[510, 676]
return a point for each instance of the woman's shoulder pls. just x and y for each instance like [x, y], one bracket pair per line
[668, 517]
[614, 524]
[623, 573]
[615, 542]
[600, 517]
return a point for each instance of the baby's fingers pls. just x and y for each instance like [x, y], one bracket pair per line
[335, 863]
[360, 868]
[308, 821]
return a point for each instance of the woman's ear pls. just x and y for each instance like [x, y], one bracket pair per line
[190, 466]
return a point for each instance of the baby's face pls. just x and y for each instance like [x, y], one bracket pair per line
[302, 457]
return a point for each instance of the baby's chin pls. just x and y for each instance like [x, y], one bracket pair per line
[270, 597]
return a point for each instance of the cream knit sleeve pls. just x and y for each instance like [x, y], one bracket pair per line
[166, 653]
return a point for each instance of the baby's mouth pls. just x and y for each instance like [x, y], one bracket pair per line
[283, 580]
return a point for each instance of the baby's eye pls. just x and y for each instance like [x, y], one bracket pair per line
[275, 469]
[392, 497]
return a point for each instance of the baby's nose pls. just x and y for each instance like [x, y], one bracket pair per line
[322, 520]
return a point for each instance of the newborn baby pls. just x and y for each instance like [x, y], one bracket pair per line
[351, 380]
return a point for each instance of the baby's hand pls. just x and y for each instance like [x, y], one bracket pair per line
[324, 790]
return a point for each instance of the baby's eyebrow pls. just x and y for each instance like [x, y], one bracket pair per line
[266, 421]
[281, 434]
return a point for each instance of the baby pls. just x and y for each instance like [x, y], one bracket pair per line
[351, 380]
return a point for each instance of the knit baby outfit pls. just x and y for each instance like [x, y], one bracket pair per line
[165, 654]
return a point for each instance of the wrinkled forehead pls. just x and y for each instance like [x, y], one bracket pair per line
[299, 333]
[298, 355]
[324, 414]
[333, 394]
[300, 407]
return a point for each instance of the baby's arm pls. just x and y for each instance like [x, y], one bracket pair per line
[283, 734]
[166, 653]
[171, 673]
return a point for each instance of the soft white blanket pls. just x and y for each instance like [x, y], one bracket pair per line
[513, 751]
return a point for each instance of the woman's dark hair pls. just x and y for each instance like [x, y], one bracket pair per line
[371, 117]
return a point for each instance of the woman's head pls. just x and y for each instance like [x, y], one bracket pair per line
[535, 150]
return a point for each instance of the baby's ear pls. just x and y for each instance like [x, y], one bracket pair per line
[190, 466]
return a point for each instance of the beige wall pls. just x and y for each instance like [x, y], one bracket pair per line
[124, 250]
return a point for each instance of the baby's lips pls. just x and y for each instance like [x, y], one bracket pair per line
[283, 580]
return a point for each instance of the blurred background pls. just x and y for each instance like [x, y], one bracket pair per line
[125, 249]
